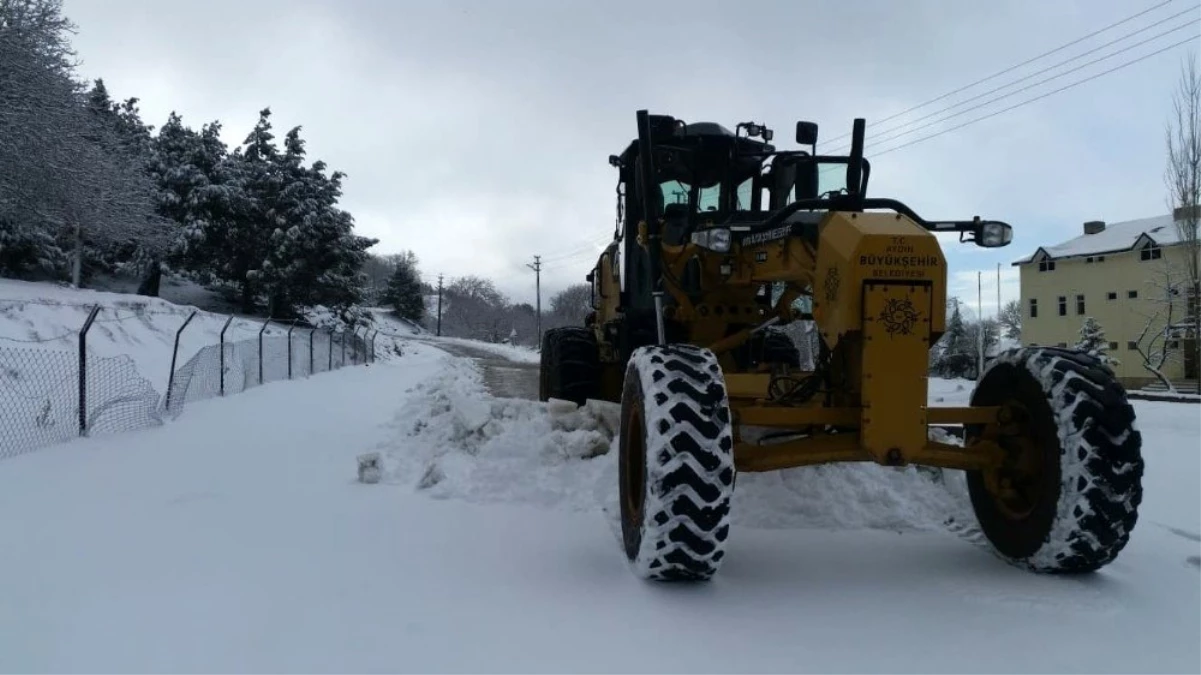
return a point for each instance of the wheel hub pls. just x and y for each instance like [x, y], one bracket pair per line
[633, 476]
[1015, 484]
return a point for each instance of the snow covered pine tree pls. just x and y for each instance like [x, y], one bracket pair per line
[1093, 342]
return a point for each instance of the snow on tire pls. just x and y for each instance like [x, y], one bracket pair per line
[1089, 462]
[676, 459]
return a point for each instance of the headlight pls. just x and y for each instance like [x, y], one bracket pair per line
[993, 234]
[715, 239]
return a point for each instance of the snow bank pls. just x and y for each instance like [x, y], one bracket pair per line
[130, 346]
[454, 440]
[43, 316]
[40, 316]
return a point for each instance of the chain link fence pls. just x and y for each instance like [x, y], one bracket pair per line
[51, 395]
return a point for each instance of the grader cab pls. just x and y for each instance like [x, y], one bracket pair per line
[721, 239]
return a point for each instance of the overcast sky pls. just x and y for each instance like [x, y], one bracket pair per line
[477, 133]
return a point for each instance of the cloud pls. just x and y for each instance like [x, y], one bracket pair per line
[476, 133]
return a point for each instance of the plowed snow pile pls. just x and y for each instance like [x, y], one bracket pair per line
[456, 441]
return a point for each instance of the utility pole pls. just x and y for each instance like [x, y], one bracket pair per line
[980, 323]
[537, 267]
[998, 296]
[439, 305]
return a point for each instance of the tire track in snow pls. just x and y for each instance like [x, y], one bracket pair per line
[503, 378]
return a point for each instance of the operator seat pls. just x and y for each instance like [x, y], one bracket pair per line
[675, 221]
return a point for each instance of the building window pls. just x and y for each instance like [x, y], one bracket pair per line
[1132, 294]
[1094, 259]
[1080, 305]
[1111, 296]
[1132, 345]
[1151, 252]
[1062, 344]
[1046, 266]
[1033, 308]
[1173, 344]
[1113, 346]
[1063, 305]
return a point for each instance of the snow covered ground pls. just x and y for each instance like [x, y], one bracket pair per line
[490, 547]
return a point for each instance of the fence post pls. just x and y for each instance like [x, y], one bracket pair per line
[331, 350]
[174, 355]
[223, 329]
[311, 331]
[371, 347]
[265, 324]
[342, 362]
[83, 370]
[290, 329]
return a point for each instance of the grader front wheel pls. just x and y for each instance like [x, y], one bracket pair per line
[1066, 497]
[676, 463]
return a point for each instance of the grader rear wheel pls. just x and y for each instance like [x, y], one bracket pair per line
[1067, 496]
[676, 463]
[570, 368]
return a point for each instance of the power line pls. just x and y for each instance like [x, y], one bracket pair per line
[1044, 81]
[563, 257]
[1015, 67]
[1040, 96]
[569, 256]
[588, 248]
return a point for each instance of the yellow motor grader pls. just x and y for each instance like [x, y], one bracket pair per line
[722, 239]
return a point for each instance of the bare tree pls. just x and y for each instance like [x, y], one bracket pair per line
[474, 308]
[1011, 320]
[571, 305]
[1183, 177]
[1156, 343]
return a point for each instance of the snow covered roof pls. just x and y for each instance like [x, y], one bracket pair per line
[1116, 237]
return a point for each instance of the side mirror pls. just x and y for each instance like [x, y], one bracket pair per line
[615, 161]
[992, 234]
[806, 133]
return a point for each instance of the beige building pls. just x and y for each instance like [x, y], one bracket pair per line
[1131, 278]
